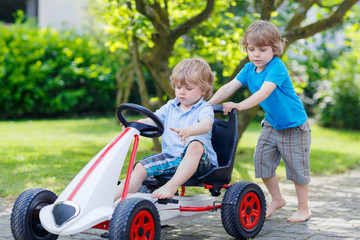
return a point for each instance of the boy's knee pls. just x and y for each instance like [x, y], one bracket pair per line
[195, 147]
[139, 168]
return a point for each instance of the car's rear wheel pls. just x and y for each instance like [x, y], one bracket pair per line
[243, 210]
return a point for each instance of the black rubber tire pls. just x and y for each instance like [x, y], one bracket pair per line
[244, 217]
[25, 221]
[129, 218]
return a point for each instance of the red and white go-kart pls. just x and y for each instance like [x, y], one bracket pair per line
[88, 201]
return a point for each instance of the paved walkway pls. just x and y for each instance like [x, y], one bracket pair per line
[334, 202]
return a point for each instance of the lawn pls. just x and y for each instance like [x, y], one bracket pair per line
[49, 153]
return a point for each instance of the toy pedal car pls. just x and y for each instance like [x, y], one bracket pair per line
[88, 201]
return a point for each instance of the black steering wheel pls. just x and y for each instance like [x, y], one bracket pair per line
[145, 130]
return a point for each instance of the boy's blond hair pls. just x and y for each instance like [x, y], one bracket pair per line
[196, 71]
[264, 33]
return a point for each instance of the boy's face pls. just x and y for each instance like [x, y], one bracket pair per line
[260, 56]
[188, 94]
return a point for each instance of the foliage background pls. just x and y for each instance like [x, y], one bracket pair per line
[47, 73]
[340, 106]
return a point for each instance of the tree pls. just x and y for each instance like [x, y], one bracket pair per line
[156, 32]
[169, 30]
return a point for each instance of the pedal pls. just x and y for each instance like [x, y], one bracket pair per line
[168, 200]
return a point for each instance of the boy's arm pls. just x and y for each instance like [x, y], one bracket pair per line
[266, 89]
[225, 91]
[200, 128]
[144, 120]
[147, 121]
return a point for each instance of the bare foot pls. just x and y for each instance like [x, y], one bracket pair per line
[164, 192]
[300, 216]
[274, 205]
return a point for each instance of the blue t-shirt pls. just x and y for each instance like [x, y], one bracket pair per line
[283, 108]
[172, 117]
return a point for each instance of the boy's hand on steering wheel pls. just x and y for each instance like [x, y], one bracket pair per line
[183, 133]
[122, 126]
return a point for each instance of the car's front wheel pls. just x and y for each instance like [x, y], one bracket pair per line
[135, 219]
[25, 221]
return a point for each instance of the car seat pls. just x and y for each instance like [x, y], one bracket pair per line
[224, 141]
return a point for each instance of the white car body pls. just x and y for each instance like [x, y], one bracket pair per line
[89, 198]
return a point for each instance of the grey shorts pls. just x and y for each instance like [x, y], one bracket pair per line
[291, 144]
[165, 164]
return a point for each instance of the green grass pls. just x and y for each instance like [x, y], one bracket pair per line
[49, 153]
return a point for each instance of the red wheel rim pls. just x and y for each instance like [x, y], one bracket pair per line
[250, 210]
[142, 226]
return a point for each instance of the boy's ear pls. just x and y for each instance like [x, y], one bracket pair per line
[274, 53]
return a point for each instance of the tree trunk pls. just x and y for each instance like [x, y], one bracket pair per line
[144, 94]
[245, 118]
[165, 37]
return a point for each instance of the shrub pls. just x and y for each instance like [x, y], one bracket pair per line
[46, 73]
[341, 104]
